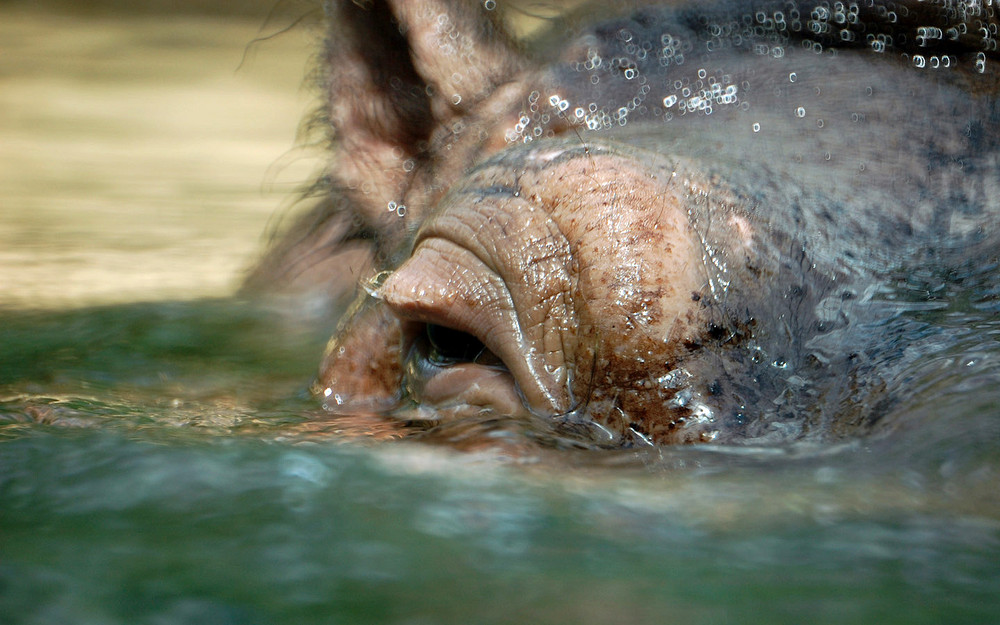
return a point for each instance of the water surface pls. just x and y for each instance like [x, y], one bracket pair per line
[162, 464]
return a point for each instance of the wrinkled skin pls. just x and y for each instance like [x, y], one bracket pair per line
[681, 226]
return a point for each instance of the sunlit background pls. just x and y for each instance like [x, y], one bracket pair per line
[150, 147]
[146, 146]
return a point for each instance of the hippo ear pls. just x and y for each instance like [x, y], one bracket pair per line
[398, 70]
[395, 72]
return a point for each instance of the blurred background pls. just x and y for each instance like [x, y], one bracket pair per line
[147, 145]
[246, 8]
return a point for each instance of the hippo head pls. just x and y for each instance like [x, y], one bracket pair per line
[603, 240]
[553, 280]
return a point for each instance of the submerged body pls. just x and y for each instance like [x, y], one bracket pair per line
[688, 224]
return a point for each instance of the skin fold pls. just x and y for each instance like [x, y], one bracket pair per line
[680, 224]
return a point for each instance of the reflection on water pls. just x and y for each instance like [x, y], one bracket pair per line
[161, 462]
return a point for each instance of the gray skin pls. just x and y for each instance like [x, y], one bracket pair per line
[686, 224]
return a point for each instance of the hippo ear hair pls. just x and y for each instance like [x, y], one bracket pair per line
[397, 71]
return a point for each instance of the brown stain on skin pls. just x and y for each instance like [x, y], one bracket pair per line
[636, 260]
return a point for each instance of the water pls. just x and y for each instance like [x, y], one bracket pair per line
[162, 463]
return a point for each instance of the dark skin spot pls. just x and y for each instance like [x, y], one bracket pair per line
[717, 332]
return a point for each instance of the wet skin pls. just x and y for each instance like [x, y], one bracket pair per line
[685, 225]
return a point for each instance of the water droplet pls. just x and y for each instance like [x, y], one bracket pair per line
[800, 112]
[792, 77]
[756, 127]
[372, 285]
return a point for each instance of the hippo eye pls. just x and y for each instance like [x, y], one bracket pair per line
[449, 346]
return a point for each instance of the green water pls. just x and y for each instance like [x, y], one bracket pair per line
[159, 463]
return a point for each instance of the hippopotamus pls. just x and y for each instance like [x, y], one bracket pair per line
[654, 224]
